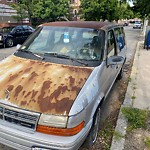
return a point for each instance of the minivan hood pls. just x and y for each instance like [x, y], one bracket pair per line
[40, 86]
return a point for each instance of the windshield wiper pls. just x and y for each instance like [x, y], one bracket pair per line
[26, 51]
[65, 56]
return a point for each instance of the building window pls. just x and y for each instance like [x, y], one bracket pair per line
[72, 1]
[9, 0]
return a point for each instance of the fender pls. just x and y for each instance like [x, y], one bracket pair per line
[90, 96]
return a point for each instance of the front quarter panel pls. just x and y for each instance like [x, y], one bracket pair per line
[90, 95]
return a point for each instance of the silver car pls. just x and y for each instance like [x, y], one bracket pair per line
[137, 25]
[53, 86]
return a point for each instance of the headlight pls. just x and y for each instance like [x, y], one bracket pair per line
[0, 38]
[57, 125]
[53, 121]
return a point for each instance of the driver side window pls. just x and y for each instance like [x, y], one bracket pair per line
[111, 50]
[19, 29]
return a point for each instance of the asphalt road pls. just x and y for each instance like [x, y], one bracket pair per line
[5, 52]
[132, 37]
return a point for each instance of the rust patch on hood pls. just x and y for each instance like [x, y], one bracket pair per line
[41, 86]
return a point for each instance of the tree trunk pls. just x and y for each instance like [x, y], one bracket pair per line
[149, 22]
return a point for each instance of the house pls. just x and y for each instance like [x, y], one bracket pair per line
[74, 9]
[7, 12]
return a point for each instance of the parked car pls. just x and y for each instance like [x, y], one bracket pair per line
[125, 24]
[53, 86]
[12, 35]
[137, 25]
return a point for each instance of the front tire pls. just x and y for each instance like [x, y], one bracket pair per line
[92, 136]
[120, 75]
[9, 42]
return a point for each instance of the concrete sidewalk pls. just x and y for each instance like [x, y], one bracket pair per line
[138, 91]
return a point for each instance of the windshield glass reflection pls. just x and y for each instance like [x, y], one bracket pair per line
[78, 43]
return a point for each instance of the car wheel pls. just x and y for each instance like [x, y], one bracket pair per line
[9, 42]
[92, 136]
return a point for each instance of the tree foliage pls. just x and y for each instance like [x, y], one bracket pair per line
[105, 9]
[142, 7]
[42, 10]
[50, 10]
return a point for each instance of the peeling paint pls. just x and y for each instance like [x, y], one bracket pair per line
[41, 86]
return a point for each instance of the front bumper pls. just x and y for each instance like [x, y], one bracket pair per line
[25, 141]
[137, 27]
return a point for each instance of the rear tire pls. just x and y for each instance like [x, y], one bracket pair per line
[92, 136]
[9, 42]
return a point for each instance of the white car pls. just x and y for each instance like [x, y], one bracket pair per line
[52, 88]
[137, 25]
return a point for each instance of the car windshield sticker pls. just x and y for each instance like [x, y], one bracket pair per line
[66, 37]
[64, 50]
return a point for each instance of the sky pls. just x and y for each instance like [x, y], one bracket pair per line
[131, 3]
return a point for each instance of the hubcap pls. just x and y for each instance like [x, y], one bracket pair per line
[10, 42]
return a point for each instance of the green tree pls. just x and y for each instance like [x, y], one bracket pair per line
[125, 11]
[98, 9]
[142, 7]
[105, 9]
[42, 10]
[21, 12]
[50, 10]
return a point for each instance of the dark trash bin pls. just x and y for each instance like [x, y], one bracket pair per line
[147, 41]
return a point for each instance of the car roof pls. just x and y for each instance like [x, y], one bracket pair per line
[81, 24]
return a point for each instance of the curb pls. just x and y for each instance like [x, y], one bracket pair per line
[122, 122]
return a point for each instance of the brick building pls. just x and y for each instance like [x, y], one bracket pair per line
[7, 12]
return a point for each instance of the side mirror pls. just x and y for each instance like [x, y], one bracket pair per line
[115, 60]
[18, 46]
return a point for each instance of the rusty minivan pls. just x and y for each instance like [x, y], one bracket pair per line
[53, 86]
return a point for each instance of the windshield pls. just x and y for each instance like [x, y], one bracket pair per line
[137, 22]
[77, 43]
[6, 29]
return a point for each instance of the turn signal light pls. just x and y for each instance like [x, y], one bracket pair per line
[60, 131]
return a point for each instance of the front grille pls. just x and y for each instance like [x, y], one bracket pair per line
[19, 117]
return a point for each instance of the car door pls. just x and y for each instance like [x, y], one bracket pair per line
[107, 76]
[18, 34]
[112, 69]
[27, 31]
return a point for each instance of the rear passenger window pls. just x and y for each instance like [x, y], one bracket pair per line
[119, 34]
